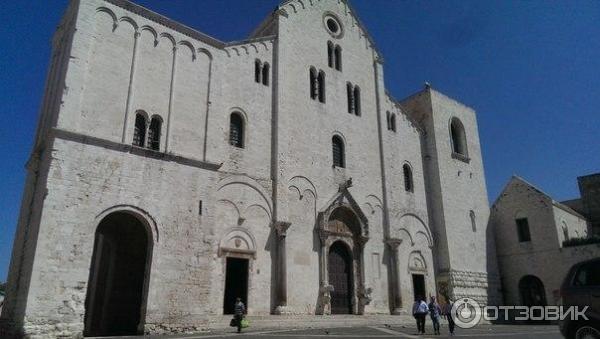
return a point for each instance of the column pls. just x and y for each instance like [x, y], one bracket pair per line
[395, 281]
[281, 232]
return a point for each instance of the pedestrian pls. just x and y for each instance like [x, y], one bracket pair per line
[239, 311]
[448, 314]
[420, 311]
[435, 313]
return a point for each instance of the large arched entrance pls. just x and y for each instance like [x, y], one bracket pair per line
[343, 231]
[340, 278]
[532, 291]
[118, 274]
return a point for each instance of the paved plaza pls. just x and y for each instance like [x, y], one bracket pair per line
[482, 331]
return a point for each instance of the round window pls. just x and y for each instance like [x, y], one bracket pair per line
[333, 26]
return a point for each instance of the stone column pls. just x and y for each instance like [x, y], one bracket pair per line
[393, 244]
[324, 287]
[363, 293]
[281, 232]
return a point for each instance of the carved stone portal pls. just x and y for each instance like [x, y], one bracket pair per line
[343, 221]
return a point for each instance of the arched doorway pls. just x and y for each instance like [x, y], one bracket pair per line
[340, 278]
[532, 291]
[118, 275]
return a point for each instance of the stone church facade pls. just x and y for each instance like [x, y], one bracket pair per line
[173, 172]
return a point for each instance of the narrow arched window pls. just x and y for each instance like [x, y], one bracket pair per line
[257, 71]
[473, 221]
[565, 230]
[357, 100]
[265, 74]
[236, 130]
[338, 152]
[387, 119]
[338, 58]
[313, 83]
[393, 123]
[321, 86]
[139, 133]
[350, 98]
[154, 133]
[458, 137]
[330, 55]
[408, 178]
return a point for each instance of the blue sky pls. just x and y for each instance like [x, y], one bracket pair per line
[529, 68]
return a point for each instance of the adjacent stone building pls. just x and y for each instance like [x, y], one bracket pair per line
[531, 229]
[173, 172]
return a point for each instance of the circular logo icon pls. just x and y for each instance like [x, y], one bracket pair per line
[466, 313]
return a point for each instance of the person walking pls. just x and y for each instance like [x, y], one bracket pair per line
[239, 311]
[435, 313]
[448, 314]
[420, 311]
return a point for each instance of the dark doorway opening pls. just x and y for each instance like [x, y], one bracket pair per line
[419, 286]
[340, 277]
[532, 291]
[236, 284]
[115, 294]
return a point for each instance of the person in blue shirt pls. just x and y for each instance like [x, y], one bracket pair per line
[435, 312]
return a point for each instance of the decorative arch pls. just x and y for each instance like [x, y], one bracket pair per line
[190, 46]
[237, 241]
[130, 21]
[111, 14]
[206, 52]
[151, 31]
[413, 225]
[251, 183]
[416, 262]
[302, 184]
[169, 37]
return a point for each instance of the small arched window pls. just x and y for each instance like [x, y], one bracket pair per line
[338, 152]
[350, 98]
[154, 133]
[139, 133]
[313, 83]
[565, 230]
[236, 130]
[257, 71]
[321, 86]
[408, 178]
[387, 119]
[338, 58]
[458, 137]
[473, 221]
[330, 55]
[265, 74]
[393, 123]
[357, 100]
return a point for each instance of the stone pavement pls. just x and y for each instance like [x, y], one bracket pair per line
[481, 331]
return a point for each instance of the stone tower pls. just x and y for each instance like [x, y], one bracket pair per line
[457, 198]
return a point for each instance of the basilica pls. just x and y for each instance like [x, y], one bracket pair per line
[173, 173]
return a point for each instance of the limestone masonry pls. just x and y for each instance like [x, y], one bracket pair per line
[173, 173]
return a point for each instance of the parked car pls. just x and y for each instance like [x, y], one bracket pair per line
[581, 288]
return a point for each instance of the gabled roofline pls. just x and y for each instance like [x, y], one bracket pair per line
[358, 22]
[554, 202]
